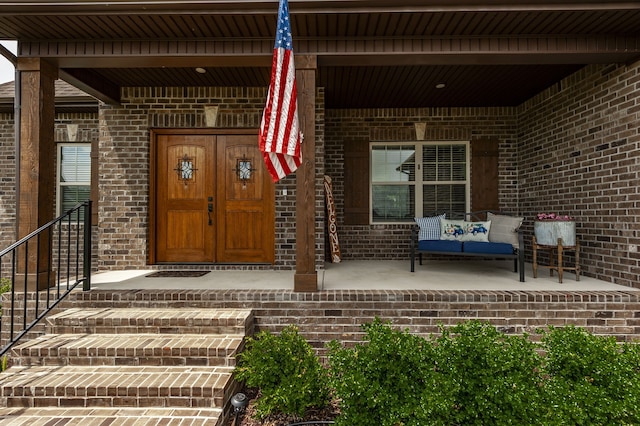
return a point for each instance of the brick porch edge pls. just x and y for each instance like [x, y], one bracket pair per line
[339, 314]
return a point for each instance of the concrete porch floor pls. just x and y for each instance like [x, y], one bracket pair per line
[368, 275]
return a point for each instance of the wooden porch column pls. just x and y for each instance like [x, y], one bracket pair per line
[36, 161]
[306, 277]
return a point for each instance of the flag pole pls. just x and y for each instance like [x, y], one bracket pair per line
[279, 139]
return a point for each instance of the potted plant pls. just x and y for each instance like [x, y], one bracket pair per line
[548, 227]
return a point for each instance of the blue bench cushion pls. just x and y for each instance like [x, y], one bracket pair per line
[488, 248]
[442, 245]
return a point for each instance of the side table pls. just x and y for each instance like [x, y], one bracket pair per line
[559, 266]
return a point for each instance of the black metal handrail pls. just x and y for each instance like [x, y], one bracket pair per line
[62, 261]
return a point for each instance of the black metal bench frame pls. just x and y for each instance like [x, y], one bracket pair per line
[517, 256]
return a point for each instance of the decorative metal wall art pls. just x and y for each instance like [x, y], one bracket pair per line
[185, 169]
[243, 169]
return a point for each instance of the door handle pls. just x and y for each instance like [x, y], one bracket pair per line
[210, 209]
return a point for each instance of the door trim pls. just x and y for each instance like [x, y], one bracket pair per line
[153, 172]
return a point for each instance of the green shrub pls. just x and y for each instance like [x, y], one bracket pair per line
[392, 379]
[471, 375]
[287, 372]
[5, 285]
[496, 375]
[591, 380]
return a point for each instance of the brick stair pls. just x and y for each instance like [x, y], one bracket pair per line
[53, 416]
[126, 366]
[129, 349]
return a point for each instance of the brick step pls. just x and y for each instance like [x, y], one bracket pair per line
[129, 349]
[110, 416]
[145, 320]
[106, 386]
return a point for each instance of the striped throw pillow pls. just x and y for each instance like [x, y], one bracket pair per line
[429, 227]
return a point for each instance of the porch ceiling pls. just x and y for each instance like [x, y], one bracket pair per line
[371, 53]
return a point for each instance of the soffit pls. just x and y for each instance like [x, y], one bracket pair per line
[312, 26]
[361, 87]
[591, 32]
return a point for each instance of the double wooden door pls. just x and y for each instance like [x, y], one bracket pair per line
[212, 198]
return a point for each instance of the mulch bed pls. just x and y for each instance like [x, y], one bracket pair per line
[246, 418]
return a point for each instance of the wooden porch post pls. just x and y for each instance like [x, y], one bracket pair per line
[36, 162]
[306, 277]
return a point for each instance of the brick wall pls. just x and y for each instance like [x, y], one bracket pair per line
[7, 180]
[85, 126]
[124, 165]
[338, 315]
[571, 149]
[81, 128]
[578, 154]
[442, 124]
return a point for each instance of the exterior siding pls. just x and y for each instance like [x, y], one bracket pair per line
[579, 151]
[442, 124]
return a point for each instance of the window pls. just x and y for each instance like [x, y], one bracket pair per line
[74, 175]
[412, 180]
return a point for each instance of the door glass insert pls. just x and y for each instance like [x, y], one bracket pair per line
[185, 168]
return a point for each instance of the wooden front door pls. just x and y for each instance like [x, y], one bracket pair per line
[245, 200]
[213, 201]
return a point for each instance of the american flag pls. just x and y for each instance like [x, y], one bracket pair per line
[279, 137]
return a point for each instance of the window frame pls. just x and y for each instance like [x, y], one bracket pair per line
[418, 182]
[59, 183]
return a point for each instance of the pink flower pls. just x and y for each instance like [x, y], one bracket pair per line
[553, 216]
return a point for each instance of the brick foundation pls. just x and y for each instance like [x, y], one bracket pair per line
[329, 315]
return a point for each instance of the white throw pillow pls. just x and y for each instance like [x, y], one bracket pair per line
[477, 231]
[452, 230]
